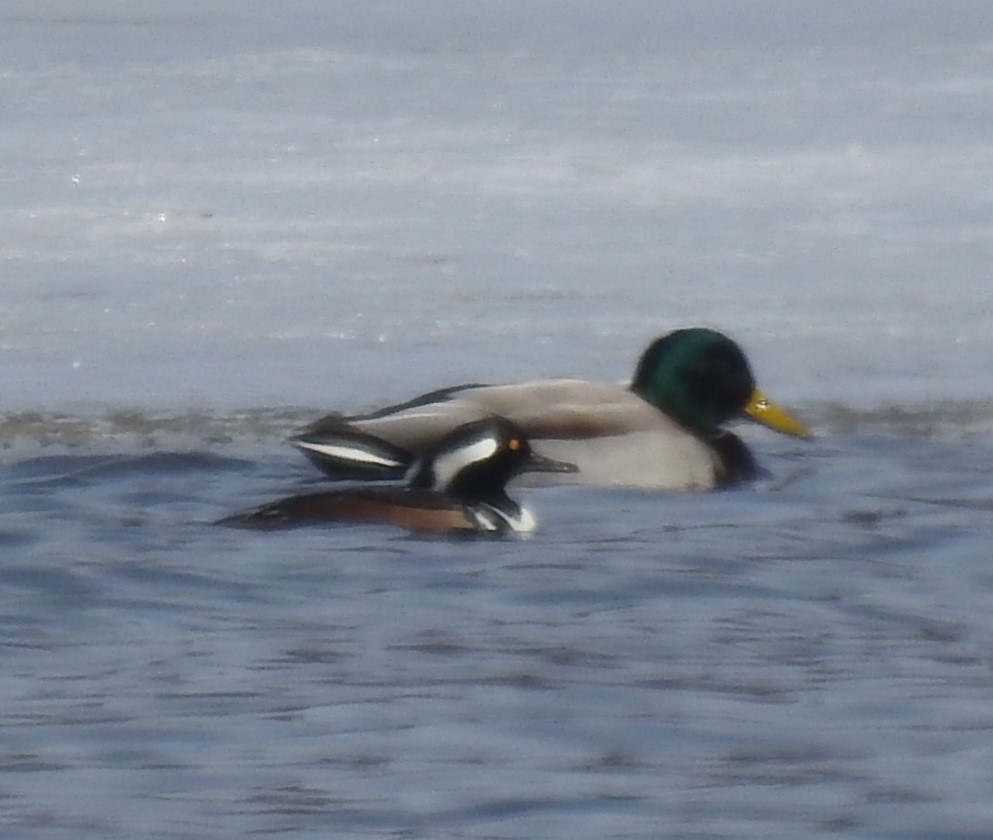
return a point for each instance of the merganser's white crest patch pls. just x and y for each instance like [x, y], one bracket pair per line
[448, 465]
[350, 454]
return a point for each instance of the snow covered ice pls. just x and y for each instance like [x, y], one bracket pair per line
[242, 205]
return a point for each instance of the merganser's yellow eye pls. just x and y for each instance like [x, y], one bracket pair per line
[514, 444]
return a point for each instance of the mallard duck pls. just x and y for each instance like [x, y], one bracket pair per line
[457, 486]
[662, 430]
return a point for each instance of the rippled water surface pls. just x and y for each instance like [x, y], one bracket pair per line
[218, 220]
[808, 657]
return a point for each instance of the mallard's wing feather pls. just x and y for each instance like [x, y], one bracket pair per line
[610, 434]
[573, 408]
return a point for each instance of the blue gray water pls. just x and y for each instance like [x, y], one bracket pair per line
[217, 220]
[809, 657]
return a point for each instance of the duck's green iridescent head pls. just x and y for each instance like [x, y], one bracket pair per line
[702, 378]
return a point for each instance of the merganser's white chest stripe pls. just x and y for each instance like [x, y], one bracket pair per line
[490, 518]
[524, 524]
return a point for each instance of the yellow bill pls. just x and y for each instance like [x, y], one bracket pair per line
[769, 414]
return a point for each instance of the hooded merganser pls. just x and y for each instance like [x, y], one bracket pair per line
[459, 485]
